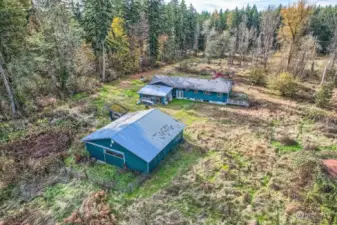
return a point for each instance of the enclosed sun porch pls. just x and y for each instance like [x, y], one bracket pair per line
[155, 94]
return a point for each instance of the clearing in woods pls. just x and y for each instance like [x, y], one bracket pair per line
[260, 164]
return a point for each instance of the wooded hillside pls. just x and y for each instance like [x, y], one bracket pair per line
[56, 49]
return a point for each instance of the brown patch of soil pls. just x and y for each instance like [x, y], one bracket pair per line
[38, 146]
[33, 157]
[331, 166]
[27, 216]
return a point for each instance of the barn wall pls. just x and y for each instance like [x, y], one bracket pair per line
[154, 163]
[131, 160]
[95, 152]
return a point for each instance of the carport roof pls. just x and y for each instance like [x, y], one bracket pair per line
[144, 133]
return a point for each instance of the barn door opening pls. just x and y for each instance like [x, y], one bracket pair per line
[179, 94]
[114, 158]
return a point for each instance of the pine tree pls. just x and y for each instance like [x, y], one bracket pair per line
[154, 9]
[192, 27]
[185, 29]
[13, 21]
[223, 20]
[98, 15]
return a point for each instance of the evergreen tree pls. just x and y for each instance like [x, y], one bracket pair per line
[185, 29]
[192, 27]
[13, 21]
[98, 15]
[319, 25]
[132, 9]
[223, 20]
[154, 15]
[235, 19]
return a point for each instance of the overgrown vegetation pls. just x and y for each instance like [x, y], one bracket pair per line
[284, 83]
[267, 164]
[257, 77]
[324, 94]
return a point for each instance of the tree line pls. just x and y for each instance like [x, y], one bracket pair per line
[63, 47]
[299, 31]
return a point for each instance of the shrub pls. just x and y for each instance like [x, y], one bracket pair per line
[284, 83]
[324, 94]
[257, 76]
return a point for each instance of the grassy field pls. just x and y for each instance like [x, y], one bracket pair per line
[234, 167]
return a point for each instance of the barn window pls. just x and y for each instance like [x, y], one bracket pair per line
[115, 154]
[207, 93]
[219, 94]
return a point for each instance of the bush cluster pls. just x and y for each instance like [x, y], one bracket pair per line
[257, 76]
[324, 94]
[284, 83]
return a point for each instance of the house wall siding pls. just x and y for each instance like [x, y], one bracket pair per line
[200, 95]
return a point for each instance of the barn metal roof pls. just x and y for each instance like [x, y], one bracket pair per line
[155, 90]
[144, 133]
[218, 85]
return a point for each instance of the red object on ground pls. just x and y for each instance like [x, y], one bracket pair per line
[218, 75]
[331, 166]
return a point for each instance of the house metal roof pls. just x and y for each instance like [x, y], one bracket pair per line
[218, 85]
[144, 133]
[155, 90]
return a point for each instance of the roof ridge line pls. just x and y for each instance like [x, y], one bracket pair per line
[151, 110]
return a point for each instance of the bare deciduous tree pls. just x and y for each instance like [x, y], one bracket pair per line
[331, 22]
[245, 37]
[232, 46]
[269, 24]
[305, 54]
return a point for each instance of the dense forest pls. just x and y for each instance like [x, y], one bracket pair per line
[60, 48]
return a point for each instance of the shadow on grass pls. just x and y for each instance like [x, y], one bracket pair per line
[287, 148]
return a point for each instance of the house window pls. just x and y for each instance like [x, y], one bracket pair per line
[207, 93]
[219, 94]
[186, 90]
[196, 91]
[115, 154]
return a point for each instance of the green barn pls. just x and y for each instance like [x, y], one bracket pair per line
[138, 140]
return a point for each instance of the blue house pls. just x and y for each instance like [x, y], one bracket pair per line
[138, 140]
[162, 89]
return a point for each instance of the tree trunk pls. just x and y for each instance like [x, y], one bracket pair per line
[265, 61]
[331, 219]
[290, 55]
[324, 73]
[9, 91]
[328, 65]
[103, 62]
